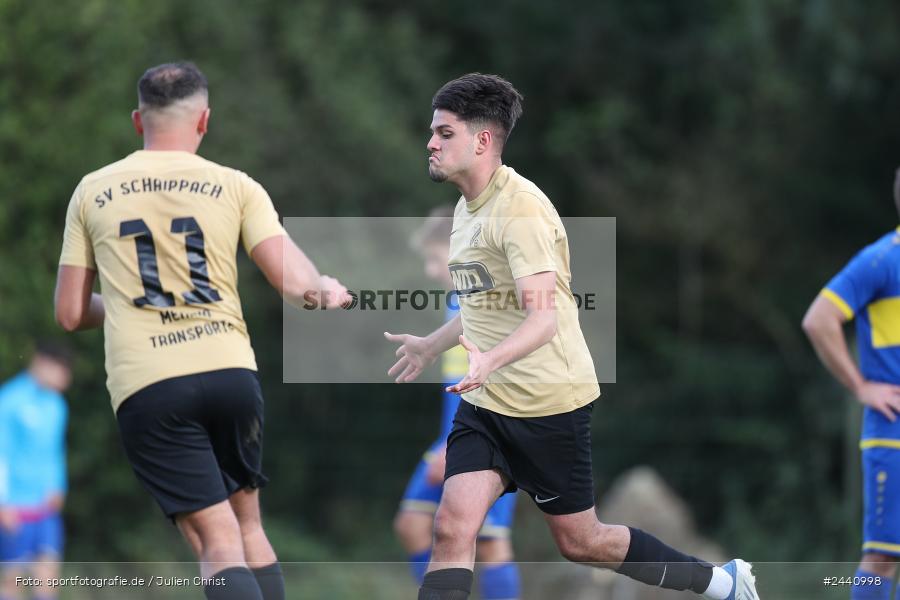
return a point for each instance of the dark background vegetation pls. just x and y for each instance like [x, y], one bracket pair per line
[746, 149]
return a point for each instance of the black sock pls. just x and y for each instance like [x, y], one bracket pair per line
[446, 584]
[234, 583]
[270, 581]
[652, 562]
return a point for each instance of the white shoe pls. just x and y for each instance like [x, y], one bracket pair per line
[744, 587]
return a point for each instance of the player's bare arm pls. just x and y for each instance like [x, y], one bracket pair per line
[295, 277]
[77, 307]
[536, 295]
[824, 325]
[417, 353]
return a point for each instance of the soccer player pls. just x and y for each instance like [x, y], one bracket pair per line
[530, 385]
[499, 580]
[868, 289]
[33, 415]
[162, 227]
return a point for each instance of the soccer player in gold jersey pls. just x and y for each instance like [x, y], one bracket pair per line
[161, 228]
[531, 385]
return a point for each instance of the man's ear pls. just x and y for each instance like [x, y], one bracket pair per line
[136, 121]
[483, 141]
[203, 123]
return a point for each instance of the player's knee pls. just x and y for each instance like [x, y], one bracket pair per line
[578, 545]
[879, 564]
[494, 550]
[46, 567]
[211, 531]
[245, 506]
[404, 528]
[252, 532]
[249, 523]
[414, 530]
[451, 527]
[222, 538]
[571, 548]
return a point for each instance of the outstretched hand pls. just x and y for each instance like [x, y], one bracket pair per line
[331, 294]
[414, 355]
[479, 368]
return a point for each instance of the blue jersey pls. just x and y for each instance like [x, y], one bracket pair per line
[32, 442]
[454, 366]
[868, 288]
[422, 496]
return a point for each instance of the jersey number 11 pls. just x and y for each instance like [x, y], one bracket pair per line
[154, 294]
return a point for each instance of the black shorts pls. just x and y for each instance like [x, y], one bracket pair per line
[195, 440]
[547, 457]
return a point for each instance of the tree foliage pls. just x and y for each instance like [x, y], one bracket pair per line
[745, 149]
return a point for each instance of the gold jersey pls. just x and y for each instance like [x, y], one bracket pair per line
[511, 230]
[162, 230]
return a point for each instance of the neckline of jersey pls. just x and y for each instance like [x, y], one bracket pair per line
[164, 153]
[497, 181]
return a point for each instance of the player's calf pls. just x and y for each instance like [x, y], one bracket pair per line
[215, 537]
[233, 583]
[652, 562]
[270, 580]
[446, 584]
[874, 579]
[498, 576]
[45, 568]
[493, 550]
[500, 581]
[414, 530]
[8, 588]
[881, 565]
[640, 556]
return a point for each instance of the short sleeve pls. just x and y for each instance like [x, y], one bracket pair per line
[77, 249]
[528, 236]
[259, 220]
[859, 282]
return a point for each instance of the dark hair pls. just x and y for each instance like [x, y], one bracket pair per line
[434, 230]
[481, 98]
[56, 351]
[162, 85]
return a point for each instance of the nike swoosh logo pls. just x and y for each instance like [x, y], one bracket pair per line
[541, 501]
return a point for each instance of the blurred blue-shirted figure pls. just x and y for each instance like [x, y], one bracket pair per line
[867, 290]
[499, 577]
[33, 416]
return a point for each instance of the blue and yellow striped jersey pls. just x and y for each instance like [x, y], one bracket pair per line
[454, 366]
[868, 289]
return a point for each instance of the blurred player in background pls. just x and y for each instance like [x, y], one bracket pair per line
[33, 415]
[868, 289]
[414, 524]
[531, 385]
[162, 227]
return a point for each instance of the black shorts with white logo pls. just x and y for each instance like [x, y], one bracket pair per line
[547, 457]
[195, 440]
